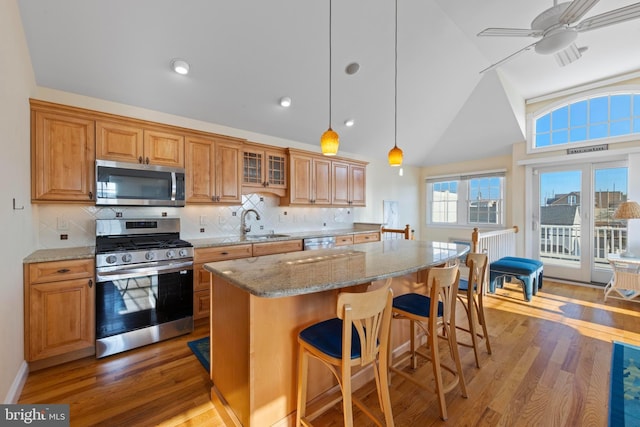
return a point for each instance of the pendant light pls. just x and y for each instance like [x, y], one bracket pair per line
[329, 140]
[395, 154]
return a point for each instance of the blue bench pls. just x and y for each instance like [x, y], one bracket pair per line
[528, 271]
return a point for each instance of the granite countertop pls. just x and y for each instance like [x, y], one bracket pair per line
[45, 255]
[298, 273]
[238, 240]
[60, 254]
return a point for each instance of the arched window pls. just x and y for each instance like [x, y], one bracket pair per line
[605, 118]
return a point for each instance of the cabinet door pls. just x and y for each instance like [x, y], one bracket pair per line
[61, 318]
[200, 170]
[340, 185]
[300, 184]
[253, 173]
[62, 158]
[321, 182]
[276, 169]
[228, 172]
[163, 148]
[357, 185]
[119, 142]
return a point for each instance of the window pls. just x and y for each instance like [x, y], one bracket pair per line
[602, 116]
[466, 200]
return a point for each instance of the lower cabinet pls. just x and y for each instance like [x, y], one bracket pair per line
[366, 237]
[59, 311]
[281, 247]
[201, 302]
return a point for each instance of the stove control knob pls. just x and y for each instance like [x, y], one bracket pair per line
[150, 255]
[171, 253]
[111, 259]
[126, 257]
[183, 252]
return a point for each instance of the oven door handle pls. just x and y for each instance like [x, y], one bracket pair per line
[144, 271]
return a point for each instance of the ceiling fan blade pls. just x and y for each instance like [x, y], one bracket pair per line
[508, 58]
[576, 10]
[568, 55]
[615, 16]
[509, 32]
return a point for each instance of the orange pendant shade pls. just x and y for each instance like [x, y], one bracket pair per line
[329, 142]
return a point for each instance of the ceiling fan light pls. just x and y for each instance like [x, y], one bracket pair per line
[329, 142]
[395, 156]
[553, 42]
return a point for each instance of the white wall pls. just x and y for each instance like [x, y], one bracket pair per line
[16, 85]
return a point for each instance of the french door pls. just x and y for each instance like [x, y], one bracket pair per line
[573, 222]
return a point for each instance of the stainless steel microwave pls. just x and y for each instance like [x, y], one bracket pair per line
[131, 184]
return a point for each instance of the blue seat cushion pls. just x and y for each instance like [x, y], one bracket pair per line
[535, 262]
[416, 304]
[326, 336]
[464, 285]
[514, 267]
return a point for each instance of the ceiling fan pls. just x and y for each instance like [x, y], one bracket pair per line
[558, 27]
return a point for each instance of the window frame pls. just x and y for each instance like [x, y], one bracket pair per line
[633, 90]
[464, 201]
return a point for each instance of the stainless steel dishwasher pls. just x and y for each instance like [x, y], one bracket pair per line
[319, 243]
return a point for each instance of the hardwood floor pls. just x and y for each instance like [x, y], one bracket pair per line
[549, 367]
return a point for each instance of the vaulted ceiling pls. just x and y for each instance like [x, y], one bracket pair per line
[247, 54]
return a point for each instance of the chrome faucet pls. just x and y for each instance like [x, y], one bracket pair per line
[243, 221]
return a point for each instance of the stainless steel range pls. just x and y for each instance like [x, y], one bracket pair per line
[144, 283]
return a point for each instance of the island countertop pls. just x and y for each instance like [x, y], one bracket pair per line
[299, 273]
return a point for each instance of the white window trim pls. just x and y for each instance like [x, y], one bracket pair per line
[462, 220]
[601, 91]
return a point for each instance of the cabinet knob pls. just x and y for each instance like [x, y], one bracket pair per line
[63, 270]
[90, 195]
[146, 160]
[139, 159]
[91, 283]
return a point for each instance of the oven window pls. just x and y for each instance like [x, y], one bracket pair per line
[128, 304]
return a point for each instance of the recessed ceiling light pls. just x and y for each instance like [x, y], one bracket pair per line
[352, 68]
[349, 122]
[285, 101]
[180, 66]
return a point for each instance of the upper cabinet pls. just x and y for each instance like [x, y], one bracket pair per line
[129, 142]
[62, 155]
[213, 168]
[264, 168]
[319, 180]
[349, 183]
[310, 182]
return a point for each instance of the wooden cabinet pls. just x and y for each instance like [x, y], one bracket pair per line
[59, 310]
[213, 168]
[201, 300]
[129, 142]
[366, 237]
[349, 184]
[270, 248]
[62, 155]
[264, 168]
[310, 179]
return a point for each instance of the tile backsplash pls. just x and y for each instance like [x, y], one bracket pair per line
[207, 221]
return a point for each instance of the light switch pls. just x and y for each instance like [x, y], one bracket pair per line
[62, 223]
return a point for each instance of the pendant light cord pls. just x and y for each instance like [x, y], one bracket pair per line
[395, 92]
[330, 64]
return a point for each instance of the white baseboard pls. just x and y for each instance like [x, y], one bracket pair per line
[18, 383]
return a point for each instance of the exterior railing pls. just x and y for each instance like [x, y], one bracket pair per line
[563, 242]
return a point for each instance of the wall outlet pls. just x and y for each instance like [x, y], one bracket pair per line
[203, 220]
[222, 220]
[284, 217]
[62, 223]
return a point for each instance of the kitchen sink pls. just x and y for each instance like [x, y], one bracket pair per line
[265, 236]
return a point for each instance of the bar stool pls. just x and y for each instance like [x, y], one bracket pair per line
[470, 295]
[432, 313]
[359, 336]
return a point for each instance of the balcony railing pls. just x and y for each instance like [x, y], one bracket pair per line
[563, 242]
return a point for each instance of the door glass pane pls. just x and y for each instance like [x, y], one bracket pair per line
[560, 217]
[610, 235]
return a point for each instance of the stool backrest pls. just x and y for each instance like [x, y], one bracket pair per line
[477, 263]
[370, 314]
[443, 283]
[396, 233]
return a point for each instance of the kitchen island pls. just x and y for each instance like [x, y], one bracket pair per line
[258, 306]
